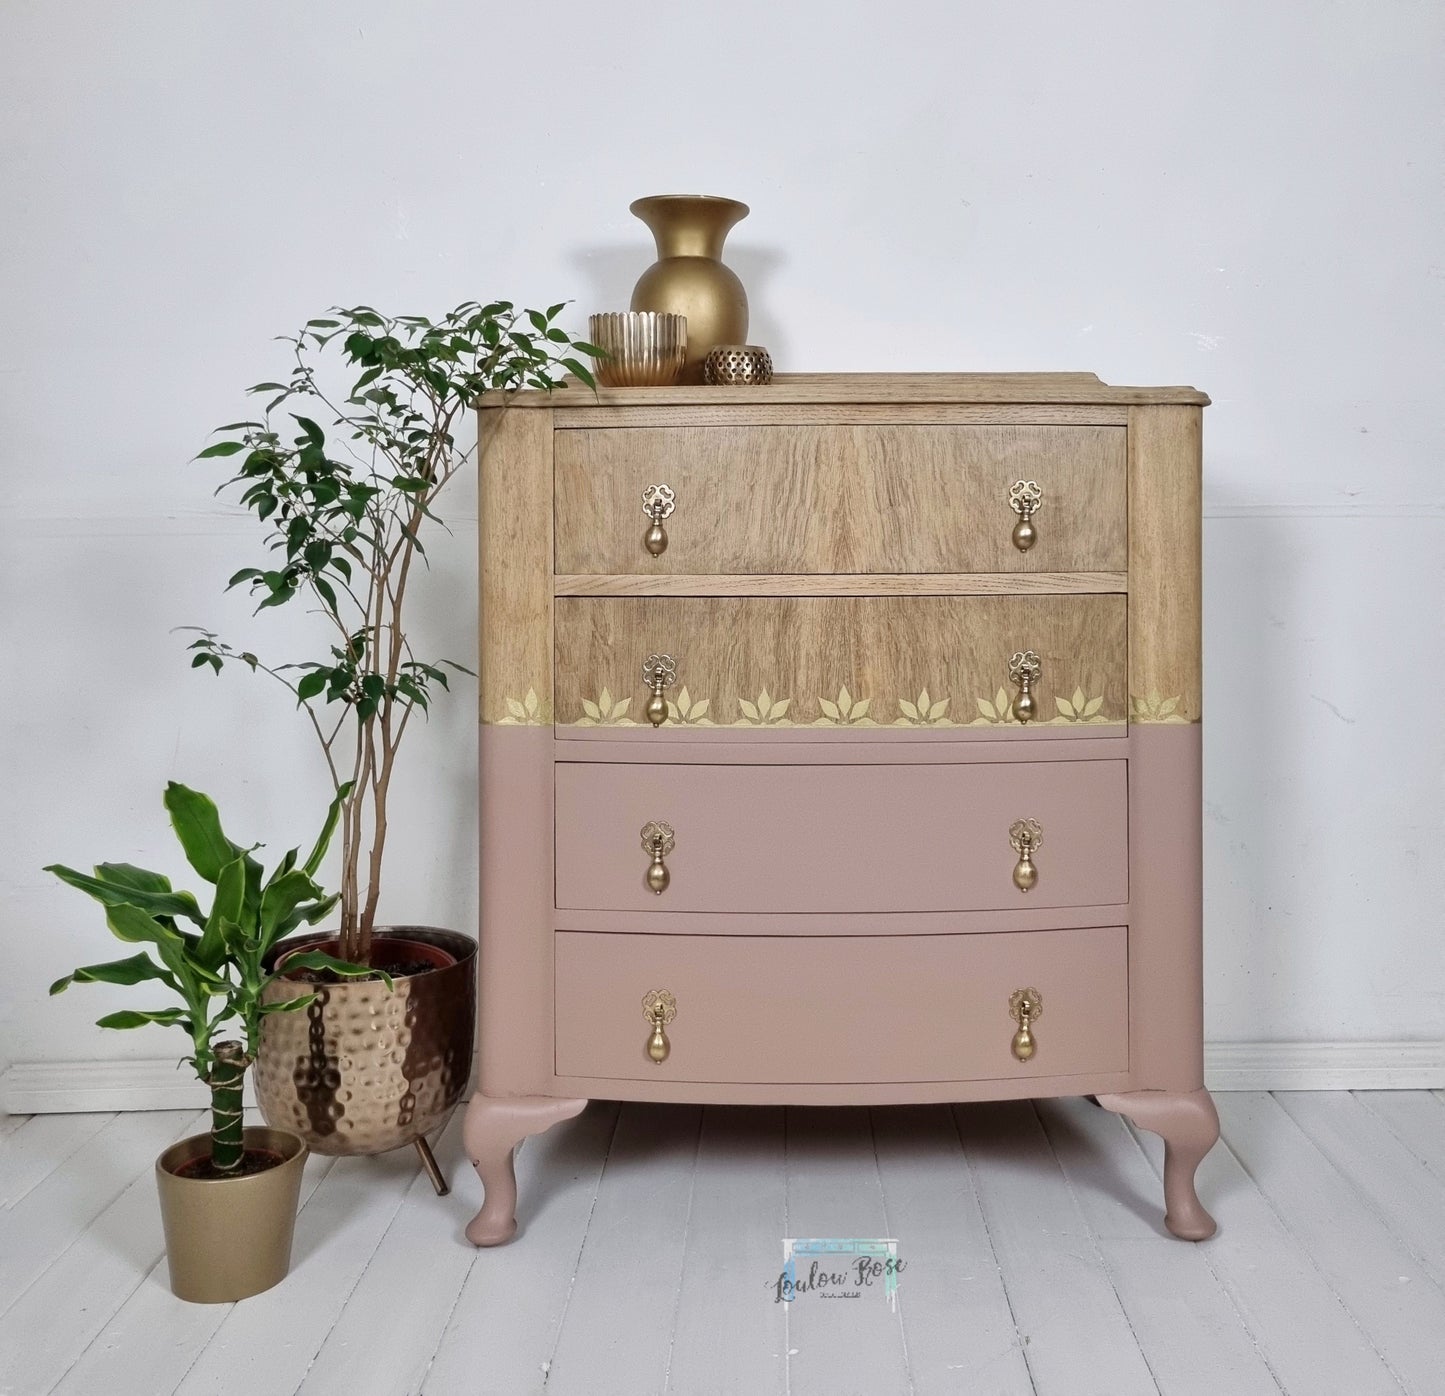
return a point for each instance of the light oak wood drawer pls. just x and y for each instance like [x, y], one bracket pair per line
[841, 838]
[841, 499]
[854, 661]
[854, 1009]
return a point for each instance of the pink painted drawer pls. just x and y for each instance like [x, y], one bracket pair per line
[836, 838]
[820, 1010]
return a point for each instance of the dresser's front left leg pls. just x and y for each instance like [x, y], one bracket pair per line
[1188, 1124]
[493, 1128]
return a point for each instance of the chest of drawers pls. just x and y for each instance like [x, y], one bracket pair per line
[863, 700]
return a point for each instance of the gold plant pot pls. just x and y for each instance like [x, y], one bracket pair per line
[689, 277]
[644, 348]
[229, 1238]
[365, 1068]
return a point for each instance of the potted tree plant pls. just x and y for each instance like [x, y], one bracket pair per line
[372, 1068]
[228, 1198]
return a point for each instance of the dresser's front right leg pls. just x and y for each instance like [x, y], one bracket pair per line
[493, 1128]
[1189, 1126]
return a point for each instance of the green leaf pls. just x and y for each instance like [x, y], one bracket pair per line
[246, 574]
[312, 865]
[283, 896]
[316, 959]
[313, 432]
[221, 448]
[131, 971]
[311, 684]
[129, 923]
[290, 1005]
[130, 1018]
[112, 894]
[198, 826]
[227, 906]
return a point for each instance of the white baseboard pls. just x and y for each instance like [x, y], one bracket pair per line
[1324, 1066]
[44, 1088]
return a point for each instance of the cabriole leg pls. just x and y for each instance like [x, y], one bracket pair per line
[493, 1128]
[1189, 1126]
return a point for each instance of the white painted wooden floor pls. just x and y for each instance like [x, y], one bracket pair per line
[652, 1242]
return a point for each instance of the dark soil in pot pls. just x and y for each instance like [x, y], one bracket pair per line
[252, 1161]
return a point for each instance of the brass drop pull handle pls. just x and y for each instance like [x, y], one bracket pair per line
[659, 1008]
[657, 842]
[1026, 835]
[659, 671]
[1026, 499]
[1025, 670]
[658, 502]
[1026, 1007]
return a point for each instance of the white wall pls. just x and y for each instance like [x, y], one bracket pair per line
[1244, 196]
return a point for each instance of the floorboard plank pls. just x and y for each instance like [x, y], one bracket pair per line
[1306, 1334]
[616, 1333]
[1392, 1299]
[504, 1326]
[1194, 1337]
[87, 1283]
[957, 1324]
[154, 1338]
[30, 1155]
[834, 1192]
[729, 1332]
[1417, 1120]
[1077, 1337]
[268, 1342]
[51, 1215]
[408, 1288]
[10, 1123]
[1387, 1178]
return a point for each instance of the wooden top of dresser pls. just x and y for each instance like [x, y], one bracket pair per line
[880, 388]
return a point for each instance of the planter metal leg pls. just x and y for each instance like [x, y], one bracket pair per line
[433, 1169]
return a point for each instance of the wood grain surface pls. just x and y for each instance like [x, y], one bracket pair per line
[802, 653]
[844, 499]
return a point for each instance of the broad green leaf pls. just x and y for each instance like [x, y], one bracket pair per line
[198, 826]
[227, 906]
[113, 894]
[131, 1018]
[312, 865]
[290, 1005]
[282, 897]
[316, 959]
[132, 971]
[221, 448]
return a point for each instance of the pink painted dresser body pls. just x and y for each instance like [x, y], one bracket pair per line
[842, 763]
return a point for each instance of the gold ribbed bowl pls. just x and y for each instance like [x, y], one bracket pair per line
[643, 348]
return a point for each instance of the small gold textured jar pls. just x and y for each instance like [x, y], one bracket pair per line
[738, 365]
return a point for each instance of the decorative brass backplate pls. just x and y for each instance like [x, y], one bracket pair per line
[1026, 1007]
[659, 671]
[1024, 671]
[657, 842]
[658, 502]
[1026, 498]
[1026, 835]
[659, 1007]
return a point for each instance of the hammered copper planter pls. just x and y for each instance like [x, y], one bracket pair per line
[365, 1068]
[229, 1238]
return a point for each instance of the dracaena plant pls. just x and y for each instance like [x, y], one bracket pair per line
[211, 960]
[344, 511]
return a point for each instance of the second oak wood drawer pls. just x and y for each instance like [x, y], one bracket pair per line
[841, 498]
[872, 661]
[859, 1008]
[841, 838]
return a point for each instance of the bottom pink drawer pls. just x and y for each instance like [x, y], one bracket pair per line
[823, 1009]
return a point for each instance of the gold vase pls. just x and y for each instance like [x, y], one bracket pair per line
[689, 277]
